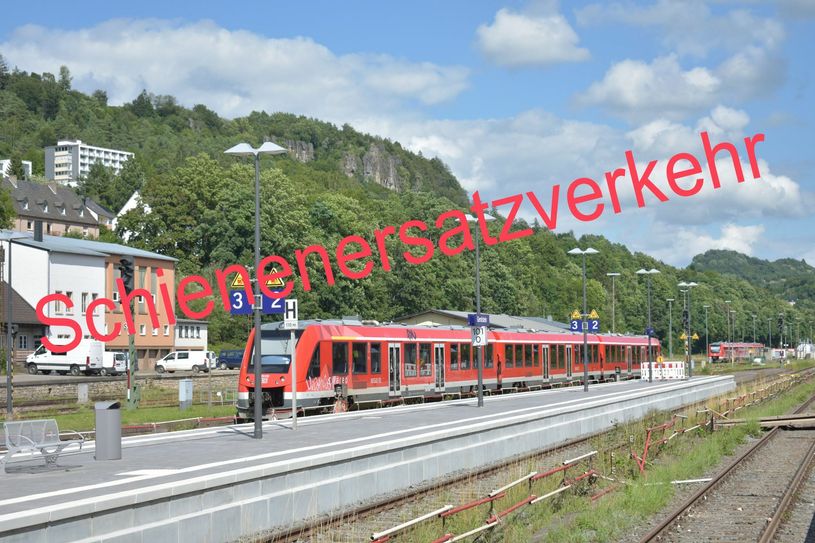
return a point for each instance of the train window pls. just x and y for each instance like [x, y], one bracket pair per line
[476, 354]
[376, 358]
[594, 357]
[509, 351]
[535, 355]
[544, 358]
[358, 355]
[519, 355]
[528, 355]
[488, 358]
[426, 368]
[410, 360]
[454, 356]
[314, 364]
[561, 357]
[465, 356]
[339, 357]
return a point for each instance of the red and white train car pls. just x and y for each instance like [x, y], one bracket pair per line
[372, 361]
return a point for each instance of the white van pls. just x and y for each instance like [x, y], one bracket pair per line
[194, 361]
[86, 358]
[113, 363]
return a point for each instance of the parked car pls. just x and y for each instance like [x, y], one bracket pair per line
[86, 358]
[230, 359]
[193, 361]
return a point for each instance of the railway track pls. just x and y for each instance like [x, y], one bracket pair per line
[749, 499]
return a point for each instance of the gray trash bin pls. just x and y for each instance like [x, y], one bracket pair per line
[108, 431]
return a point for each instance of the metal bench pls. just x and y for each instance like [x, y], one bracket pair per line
[36, 435]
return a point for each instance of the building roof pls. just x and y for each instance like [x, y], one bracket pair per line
[60, 244]
[499, 320]
[98, 208]
[21, 311]
[62, 204]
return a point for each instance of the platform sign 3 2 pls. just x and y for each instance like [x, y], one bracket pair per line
[592, 322]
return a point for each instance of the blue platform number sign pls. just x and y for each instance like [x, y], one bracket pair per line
[273, 306]
[239, 303]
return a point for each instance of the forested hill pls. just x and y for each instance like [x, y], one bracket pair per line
[788, 278]
[38, 109]
[337, 182]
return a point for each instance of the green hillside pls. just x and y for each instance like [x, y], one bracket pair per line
[333, 183]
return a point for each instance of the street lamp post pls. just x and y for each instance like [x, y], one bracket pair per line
[689, 332]
[733, 334]
[727, 315]
[649, 273]
[243, 150]
[613, 276]
[583, 253]
[707, 341]
[10, 237]
[754, 328]
[480, 349]
[670, 328]
[770, 333]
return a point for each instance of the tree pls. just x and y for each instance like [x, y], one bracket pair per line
[4, 75]
[7, 213]
[65, 78]
[142, 106]
[100, 96]
[16, 167]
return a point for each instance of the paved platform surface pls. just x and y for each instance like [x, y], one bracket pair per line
[180, 462]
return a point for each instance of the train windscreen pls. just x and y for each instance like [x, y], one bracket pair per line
[275, 351]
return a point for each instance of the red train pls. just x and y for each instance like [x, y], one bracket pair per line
[372, 361]
[724, 351]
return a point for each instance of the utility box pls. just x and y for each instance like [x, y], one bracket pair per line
[185, 393]
[108, 431]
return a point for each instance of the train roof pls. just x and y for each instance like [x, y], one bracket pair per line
[303, 324]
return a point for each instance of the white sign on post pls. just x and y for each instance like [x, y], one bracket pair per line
[290, 314]
[479, 336]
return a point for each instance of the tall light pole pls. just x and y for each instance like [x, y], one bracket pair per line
[770, 333]
[583, 253]
[689, 333]
[480, 349]
[707, 341]
[10, 237]
[243, 150]
[733, 330]
[670, 328]
[754, 328]
[613, 276]
[649, 273]
[727, 315]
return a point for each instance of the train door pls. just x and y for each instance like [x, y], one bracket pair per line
[545, 362]
[568, 361]
[438, 361]
[628, 360]
[394, 363]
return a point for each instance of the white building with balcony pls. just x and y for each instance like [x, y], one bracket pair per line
[70, 160]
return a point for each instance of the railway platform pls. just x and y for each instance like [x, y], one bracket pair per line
[220, 484]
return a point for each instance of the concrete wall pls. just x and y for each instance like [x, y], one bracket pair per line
[232, 504]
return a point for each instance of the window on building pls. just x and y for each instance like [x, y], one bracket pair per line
[197, 332]
[84, 302]
[48, 228]
[70, 296]
[58, 304]
[85, 231]
[29, 225]
[25, 206]
[142, 329]
[166, 329]
[62, 210]
[155, 331]
[82, 212]
[22, 341]
[179, 328]
[45, 209]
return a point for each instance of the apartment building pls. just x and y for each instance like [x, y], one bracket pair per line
[70, 160]
[5, 167]
[85, 270]
[59, 208]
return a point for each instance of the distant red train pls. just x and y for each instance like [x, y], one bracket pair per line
[372, 361]
[723, 351]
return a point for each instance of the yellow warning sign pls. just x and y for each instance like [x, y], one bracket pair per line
[695, 336]
[575, 314]
[277, 283]
[683, 336]
[593, 314]
[237, 282]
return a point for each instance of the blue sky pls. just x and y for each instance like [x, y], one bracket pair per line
[514, 96]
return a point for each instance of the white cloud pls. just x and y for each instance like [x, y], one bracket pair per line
[689, 27]
[233, 72]
[639, 91]
[517, 39]
[678, 246]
